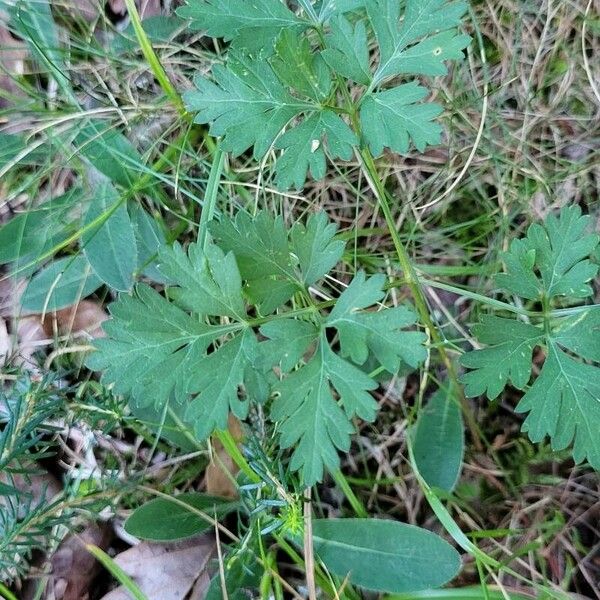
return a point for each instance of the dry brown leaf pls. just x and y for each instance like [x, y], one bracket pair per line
[88, 10]
[85, 317]
[165, 571]
[72, 570]
[30, 338]
[221, 469]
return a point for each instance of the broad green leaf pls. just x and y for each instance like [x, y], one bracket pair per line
[439, 442]
[11, 146]
[394, 117]
[383, 555]
[60, 284]
[506, 359]
[28, 233]
[550, 263]
[347, 51]
[421, 18]
[311, 420]
[163, 520]
[378, 332]
[273, 263]
[288, 341]
[150, 239]
[110, 245]
[110, 152]
[304, 148]
[558, 251]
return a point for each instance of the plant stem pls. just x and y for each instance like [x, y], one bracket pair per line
[414, 284]
[153, 60]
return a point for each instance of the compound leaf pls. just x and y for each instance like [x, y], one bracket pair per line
[549, 264]
[559, 252]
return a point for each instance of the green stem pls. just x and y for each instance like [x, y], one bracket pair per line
[412, 280]
[153, 60]
[210, 199]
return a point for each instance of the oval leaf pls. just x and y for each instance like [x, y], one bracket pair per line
[385, 556]
[110, 247]
[62, 283]
[439, 441]
[164, 520]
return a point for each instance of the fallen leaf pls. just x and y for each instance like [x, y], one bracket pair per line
[221, 469]
[30, 338]
[72, 570]
[85, 317]
[165, 571]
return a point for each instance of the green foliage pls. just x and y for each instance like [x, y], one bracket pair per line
[200, 346]
[384, 556]
[166, 520]
[285, 88]
[550, 265]
[439, 442]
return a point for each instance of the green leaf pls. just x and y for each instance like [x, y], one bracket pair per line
[110, 245]
[549, 264]
[242, 575]
[159, 29]
[247, 105]
[229, 19]
[165, 520]
[421, 18]
[305, 148]
[378, 332]
[150, 239]
[439, 441]
[212, 362]
[299, 68]
[507, 359]
[393, 118]
[347, 51]
[28, 233]
[274, 264]
[311, 419]
[563, 404]
[463, 593]
[62, 283]
[12, 146]
[558, 251]
[383, 555]
[32, 20]
[330, 8]
[315, 247]
[110, 152]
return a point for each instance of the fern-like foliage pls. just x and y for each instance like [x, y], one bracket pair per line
[550, 266]
[213, 342]
[288, 76]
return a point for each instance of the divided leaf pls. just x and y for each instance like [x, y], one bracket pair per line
[550, 264]
[198, 346]
[285, 96]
